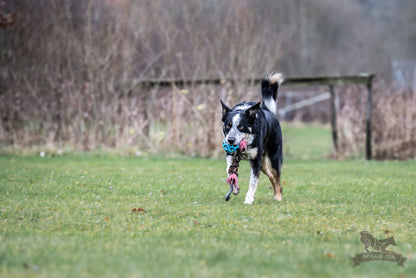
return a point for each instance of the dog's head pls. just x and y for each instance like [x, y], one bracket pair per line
[239, 122]
[391, 241]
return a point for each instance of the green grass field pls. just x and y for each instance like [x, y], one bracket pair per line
[71, 216]
[306, 142]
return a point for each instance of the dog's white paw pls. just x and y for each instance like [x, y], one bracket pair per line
[249, 200]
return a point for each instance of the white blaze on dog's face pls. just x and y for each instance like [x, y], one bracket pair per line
[239, 122]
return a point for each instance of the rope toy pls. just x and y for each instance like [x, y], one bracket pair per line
[232, 179]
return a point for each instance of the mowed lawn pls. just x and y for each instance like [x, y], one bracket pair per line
[104, 216]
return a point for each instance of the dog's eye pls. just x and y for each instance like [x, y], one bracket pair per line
[229, 125]
[240, 127]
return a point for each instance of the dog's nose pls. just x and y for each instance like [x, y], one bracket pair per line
[231, 140]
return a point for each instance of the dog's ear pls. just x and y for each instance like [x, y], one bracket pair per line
[252, 111]
[225, 110]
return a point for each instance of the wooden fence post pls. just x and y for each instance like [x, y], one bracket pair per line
[368, 151]
[145, 88]
[333, 114]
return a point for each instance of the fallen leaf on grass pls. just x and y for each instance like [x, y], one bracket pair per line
[138, 210]
[329, 255]
[284, 183]
[196, 222]
[106, 218]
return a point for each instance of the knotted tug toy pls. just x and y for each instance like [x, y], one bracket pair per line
[232, 179]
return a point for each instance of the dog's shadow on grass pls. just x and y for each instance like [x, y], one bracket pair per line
[260, 201]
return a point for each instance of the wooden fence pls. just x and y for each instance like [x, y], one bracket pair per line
[330, 81]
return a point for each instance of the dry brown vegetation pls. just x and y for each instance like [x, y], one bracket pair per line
[78, 85]
[393, 128]
[395, 124]
[70, 71]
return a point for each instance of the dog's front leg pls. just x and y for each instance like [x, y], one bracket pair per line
[254, 179]
[229, 160]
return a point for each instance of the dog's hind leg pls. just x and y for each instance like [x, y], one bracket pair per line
[275, 172]
[266, 169]
[278, 191]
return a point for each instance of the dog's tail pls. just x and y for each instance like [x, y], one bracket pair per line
[269, 90]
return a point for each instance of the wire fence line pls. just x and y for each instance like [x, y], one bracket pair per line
[335, 80]
[331, 81]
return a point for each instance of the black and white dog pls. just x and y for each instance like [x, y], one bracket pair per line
[257, 126]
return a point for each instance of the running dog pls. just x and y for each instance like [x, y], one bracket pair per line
[254, 127]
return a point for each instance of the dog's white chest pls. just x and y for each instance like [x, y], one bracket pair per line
[252, 153]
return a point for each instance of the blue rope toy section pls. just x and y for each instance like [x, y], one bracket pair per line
[229, 149]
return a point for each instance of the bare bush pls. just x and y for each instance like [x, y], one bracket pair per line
[351, 121]
[393, 124]
[70, 71]
[395, 129]
[77, 85]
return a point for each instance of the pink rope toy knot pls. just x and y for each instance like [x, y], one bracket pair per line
[232, 179]
[243, 146]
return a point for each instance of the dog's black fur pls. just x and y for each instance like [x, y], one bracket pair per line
[257, 124]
